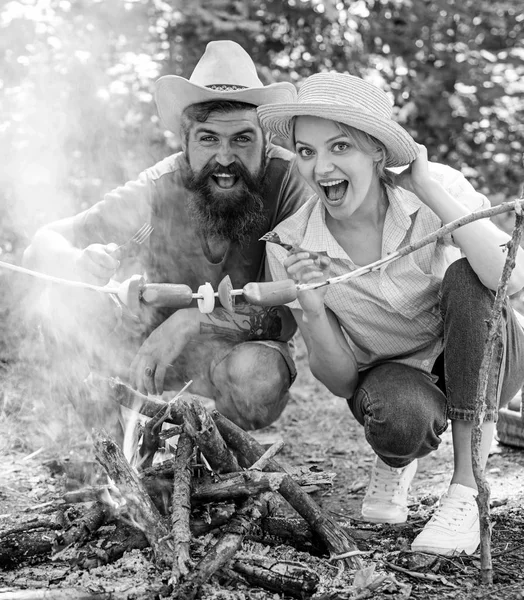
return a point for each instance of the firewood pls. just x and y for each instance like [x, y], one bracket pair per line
[83, 527]
[21, 546]
[181, 507]
[235, 485]
[221, 553]
[140, 505]
[126, 396]
[302, 475]
[282, 577]
[201, 427]
[25, 541]
[336, 539]
[61, 594]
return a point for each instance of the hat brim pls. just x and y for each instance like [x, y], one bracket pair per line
[174, 94]
[402, 148]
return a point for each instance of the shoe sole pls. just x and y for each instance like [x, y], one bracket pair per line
[447, 551]
[510, 428]
[384, 521]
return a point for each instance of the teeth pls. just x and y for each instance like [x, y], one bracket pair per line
[223, 175]
[330, 183]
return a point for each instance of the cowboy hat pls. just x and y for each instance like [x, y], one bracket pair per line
[225, 72]
[349, 100]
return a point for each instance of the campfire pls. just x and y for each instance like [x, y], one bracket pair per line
[219, 482]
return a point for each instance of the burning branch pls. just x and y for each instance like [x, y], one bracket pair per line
[141, 507]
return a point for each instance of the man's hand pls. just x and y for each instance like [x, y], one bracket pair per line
[161, 349]
[96, 264]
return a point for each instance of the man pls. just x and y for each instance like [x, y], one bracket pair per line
[208, 205]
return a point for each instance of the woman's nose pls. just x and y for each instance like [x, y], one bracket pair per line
[323, 166]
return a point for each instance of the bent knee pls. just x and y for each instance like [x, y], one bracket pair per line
[252, 383]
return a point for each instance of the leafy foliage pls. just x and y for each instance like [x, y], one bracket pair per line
[76, 84]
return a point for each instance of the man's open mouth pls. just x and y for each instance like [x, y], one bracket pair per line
[224, 181]
[335, 189]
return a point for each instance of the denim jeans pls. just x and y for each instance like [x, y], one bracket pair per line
[404, 411]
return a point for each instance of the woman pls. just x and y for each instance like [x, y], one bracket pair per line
[404, 344]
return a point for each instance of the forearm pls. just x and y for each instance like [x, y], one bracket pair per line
[247, 323]
[51, 252]
[330, 358]
[481, 241]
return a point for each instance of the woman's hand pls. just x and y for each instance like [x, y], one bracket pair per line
[303, 269]
[416, 177]
[161, 349]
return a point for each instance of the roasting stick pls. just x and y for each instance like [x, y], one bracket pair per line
[481, 214]
[78, 284]
[135, 291]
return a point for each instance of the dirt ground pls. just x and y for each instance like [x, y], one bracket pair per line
[318, 431]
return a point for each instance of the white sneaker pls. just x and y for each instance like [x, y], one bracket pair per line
[455, 527]
[386, 499]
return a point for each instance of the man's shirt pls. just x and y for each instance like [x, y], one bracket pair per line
[175, 253]
[391, 313]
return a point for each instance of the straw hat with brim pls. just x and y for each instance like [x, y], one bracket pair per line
[346, 99]
[225, 72]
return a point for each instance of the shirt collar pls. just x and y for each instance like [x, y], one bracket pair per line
[317, 237]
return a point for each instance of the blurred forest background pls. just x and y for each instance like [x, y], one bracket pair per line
[77, 112]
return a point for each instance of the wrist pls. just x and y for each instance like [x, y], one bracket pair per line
[315, 315]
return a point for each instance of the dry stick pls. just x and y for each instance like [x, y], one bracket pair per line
[485, 378]
[236, 485]
[181, 507]
[140, 505]
[263, 461]
[336, 539]
[201, 427]
[428, 239]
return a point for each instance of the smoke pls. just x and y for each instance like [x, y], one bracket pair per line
[77, 118]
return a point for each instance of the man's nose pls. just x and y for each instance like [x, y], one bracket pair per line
[225, 156]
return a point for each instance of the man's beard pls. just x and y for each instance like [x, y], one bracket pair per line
[230, 214]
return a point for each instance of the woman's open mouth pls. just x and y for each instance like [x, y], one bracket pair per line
[335, 190]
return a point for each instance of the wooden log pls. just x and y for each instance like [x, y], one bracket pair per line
[218, 516]
[21, 546]
[201, 427]
[283, 577]
[80, 529]
[302, 475]
[139, 504]
[61, 594]
[221, 553]
[235, 485]
[181, 508]
[336, 539]
[20, 543]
